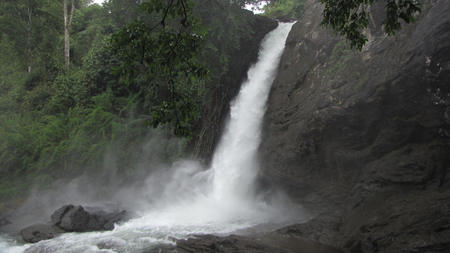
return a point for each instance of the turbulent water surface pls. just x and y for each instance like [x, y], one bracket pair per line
[220, 200]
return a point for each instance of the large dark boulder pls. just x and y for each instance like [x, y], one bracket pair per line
[72, 218]
[40, 231]
[365, 135]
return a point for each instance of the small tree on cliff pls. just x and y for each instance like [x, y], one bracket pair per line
[349, 17]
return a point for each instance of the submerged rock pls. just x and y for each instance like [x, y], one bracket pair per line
[40, 231]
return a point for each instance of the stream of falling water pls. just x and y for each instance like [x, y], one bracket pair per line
[220, 200]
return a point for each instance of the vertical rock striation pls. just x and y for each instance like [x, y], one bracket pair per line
[365, 135]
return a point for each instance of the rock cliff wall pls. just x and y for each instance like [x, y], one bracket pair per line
[366, 134]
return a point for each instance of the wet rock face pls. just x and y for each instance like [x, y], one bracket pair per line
[365, 134]
[256, 243]
[39, 232]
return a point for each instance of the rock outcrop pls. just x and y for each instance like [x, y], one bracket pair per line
[70, 218]
[256, 243]
[366, 134]
[40, 231]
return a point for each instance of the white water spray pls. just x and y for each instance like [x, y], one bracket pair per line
[190, 201]
[234, 163]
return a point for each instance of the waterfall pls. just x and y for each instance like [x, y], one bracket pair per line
[191, 201]
[234, 163]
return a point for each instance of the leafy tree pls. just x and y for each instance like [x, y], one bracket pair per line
[349, 17]
[90, 24]
[23, 22]
[165, 55]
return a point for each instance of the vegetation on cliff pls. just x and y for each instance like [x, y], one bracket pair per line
[284, 9]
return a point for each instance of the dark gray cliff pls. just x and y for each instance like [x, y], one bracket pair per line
[216, 108]
[365, 135]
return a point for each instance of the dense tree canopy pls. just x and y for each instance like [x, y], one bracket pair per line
[164, 53]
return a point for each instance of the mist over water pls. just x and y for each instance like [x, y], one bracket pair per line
[186, 199]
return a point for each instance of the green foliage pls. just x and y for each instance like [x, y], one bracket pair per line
[10, 65]
[12, 189]
[165, 56]
[286, 9]
[348, 17]
[62, 145]
[31, 26]
[57, 123]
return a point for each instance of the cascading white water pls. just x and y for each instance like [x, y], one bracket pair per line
[234, 163]
[217, 201]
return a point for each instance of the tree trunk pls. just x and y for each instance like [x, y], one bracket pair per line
[27, 12]
[67, 25]
[30, 53]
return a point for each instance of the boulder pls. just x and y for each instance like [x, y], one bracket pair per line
[72, 218]
[40, 231]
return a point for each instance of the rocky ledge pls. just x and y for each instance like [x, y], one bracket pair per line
[70, 218]
[266, 242]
